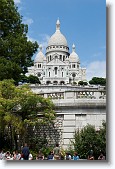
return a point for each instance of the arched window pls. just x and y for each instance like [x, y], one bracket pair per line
[55, 69]
[56, 57]
[49, 74]
[73, 65]
[62, 74]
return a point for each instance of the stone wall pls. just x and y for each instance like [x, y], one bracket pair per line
[77, 114]
[75, 108]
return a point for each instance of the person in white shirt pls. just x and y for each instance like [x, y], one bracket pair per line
[30, 156]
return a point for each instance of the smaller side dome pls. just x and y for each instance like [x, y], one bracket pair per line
[73, 56]
[40, 56]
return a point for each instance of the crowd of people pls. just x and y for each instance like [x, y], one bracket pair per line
[55, 154]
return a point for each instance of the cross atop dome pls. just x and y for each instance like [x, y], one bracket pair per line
[58, 25]
[73, 48]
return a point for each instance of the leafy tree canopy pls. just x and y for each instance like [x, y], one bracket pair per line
[82, 83]
[30, 79]
[20, 108]
[15, 49]
[98, 81]
[88, 139]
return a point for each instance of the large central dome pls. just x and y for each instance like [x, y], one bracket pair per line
[57, 38]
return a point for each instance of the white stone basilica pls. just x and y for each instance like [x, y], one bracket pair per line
[58, 66]
[75, 106]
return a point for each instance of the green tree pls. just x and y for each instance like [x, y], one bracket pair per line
[30, 79]
[88, 139]
[33, 79]
[98, 81]
[20, 111]
[101, 138]
[10, 122]
[15, 49]
[82, 83]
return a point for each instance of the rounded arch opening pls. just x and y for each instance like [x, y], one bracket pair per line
[55, 82]
[62, 82]
[48, 82]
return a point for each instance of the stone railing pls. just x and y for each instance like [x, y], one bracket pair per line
[58, 95]
[74, 95]
[69, 92]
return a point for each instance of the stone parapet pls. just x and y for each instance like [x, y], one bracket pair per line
[83, 103]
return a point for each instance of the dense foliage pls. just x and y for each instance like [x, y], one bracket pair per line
[15, 49]
[98, 81]
[30, 79]
[20, 111]
[89, 139]
[82, 83]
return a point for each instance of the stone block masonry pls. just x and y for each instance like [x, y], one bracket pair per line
[78, 107]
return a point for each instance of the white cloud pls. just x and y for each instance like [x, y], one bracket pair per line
[44, 38]
[31, 39]
[44, 41]
[97, 54]
[27, 21]
[96, 69]
[17, 1]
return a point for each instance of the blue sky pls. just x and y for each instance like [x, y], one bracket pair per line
[83, 22]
